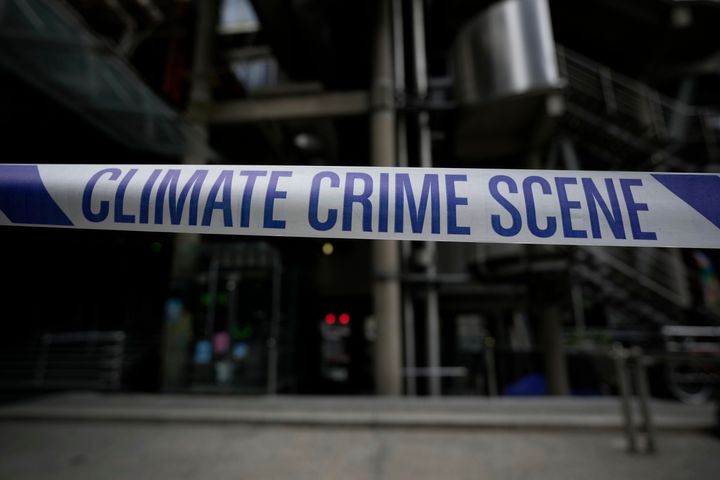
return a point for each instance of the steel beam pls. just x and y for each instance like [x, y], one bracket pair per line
[315, 105]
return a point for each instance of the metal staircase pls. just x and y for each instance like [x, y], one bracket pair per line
[632, 125]
[646, 284]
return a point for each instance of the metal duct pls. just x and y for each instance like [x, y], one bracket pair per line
[506, 50]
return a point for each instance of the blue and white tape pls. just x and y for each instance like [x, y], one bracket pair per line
[468, 205]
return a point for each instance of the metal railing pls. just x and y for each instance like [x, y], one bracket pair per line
[631, 369]
[77, 360]
[660, 272]
[81, 360]
[648, 118]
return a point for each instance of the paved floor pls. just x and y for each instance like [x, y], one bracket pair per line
[459, 412]
[137, 451]
[129, 436]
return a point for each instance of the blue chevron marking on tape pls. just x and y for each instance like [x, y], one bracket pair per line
[24, 199]
[701, 192]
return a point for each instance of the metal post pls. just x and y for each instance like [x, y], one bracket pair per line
[433, 326]
[432, 315]
[643, 392]
[386, 254]
[408, 311]
[655, 113]
[608, 90]
[186, 244]
[273, 354]
[208, 11]
[570, 157]
[213, 279]
[576, 294]
[680, 113]
[620, 357]
[490, 367]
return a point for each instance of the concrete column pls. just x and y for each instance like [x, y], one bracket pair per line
[204, 50]
[176, 331]
[186, 244]
[386, 253]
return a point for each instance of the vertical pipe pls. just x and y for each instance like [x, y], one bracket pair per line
[490, 367]
[569, 155]
[231, 287]
[608, 90]
[433, 330]
[409, 338]
[273, 354]
[408, 311]
[213, 278]
[208, 11]
[679, 115]
[398, 32]
[576, 294]
[432, 315]
[386, 254]
[186, 245]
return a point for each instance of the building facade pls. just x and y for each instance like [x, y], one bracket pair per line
[541, 84]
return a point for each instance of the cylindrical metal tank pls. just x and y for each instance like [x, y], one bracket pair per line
[506, 50]
[506, 82]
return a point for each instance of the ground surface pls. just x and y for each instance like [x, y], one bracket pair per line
[54, 450]
[175, 437]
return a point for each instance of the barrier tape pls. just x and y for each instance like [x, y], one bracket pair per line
[464, 205]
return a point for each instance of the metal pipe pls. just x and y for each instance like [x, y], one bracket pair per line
[409, 336]
[213, 278]
[185, 245]
[433, 327]
[576, 294]
[208, 12]
[432, 316]
[419, 50]
[398, 30]
[386, 254]
[272, 344]
[490, 369]
[408, 310]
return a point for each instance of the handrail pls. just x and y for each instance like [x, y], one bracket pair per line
[637, 105]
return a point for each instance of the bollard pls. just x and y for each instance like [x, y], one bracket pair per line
[643, 392]
[620, 356]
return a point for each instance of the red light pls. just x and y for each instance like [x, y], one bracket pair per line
[330, 319]
[344, 318]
